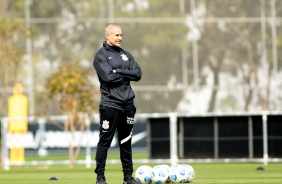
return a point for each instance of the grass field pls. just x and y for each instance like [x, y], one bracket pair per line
[206, 173]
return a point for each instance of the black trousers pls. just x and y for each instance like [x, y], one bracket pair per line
[112, 120]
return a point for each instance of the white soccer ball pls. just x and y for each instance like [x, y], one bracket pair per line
[167, 167]
[178, 173]
[143, 174]
[191, 172]
[159, 174]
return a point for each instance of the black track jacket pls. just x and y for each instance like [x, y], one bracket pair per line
[115, 88]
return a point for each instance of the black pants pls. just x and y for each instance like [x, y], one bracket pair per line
[111, 120]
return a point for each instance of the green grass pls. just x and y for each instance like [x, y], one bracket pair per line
[211, 173]
[206, 173]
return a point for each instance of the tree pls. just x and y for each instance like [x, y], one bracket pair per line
[233, 50]
[77, 98]
[12, 34]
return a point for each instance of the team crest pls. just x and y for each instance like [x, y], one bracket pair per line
[124, 57]
[105, 124]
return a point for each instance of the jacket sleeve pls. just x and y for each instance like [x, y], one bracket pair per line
[105, 71]
[134, 72]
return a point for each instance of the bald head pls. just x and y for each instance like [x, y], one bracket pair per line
[113, 34]
[109, 27]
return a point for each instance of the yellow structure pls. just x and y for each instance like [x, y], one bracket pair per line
[17, 107]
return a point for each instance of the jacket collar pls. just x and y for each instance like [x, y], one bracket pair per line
[108, 47]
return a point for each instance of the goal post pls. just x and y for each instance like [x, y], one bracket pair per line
[10, 140]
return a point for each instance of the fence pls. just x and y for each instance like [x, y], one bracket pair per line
[172, 126]
[238, 137]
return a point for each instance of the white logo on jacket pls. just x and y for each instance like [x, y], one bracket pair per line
[124, 57]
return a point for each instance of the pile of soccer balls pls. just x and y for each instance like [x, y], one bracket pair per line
[161, 174]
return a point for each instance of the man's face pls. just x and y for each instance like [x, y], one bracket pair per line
[114, 36]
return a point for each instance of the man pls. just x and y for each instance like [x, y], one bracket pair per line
[115, 68]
